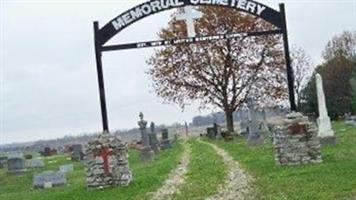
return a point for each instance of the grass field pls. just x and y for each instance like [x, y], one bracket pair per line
[147, 178]
[334, 179]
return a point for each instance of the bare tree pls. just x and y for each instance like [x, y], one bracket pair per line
[303, 71]
[343, 45]
[221, 73]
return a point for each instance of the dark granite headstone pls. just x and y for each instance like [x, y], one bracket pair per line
[165, 143]
[16, 165]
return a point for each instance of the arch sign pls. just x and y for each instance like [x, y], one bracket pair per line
[119, 23]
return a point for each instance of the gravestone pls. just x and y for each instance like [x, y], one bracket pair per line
[34, 163]
[77, 153]
[49, 179]
[350, 120]
[165, 143]
[217, 130]
[3, 161]
[16, 165]
[153, 138]
[210, 132]
[214, 132]
[106, 160]
[244, 120]
[325, 133]
[295, 141]
[146, 152]
[66, 168]
[255, 128]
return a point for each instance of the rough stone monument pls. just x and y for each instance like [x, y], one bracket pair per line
[49, 179]
[106, 160]
[296, 142]
[255, 128]
[147, 153]
[325, 133]
[153, 138]
[165, 143]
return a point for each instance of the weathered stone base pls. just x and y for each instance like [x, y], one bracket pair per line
[147, 154]
[328, 140]
[296, 141]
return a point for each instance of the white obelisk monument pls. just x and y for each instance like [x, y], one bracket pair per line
[189, 16]
[325, 133]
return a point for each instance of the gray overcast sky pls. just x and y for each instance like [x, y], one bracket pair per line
[48, 74]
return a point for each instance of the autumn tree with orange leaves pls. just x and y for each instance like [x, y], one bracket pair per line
[220, 73]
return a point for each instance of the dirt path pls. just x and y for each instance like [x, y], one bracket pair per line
[176, 177]
[238, 184]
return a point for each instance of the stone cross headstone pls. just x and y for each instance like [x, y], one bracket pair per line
[49, 179]
[66, 168]
[189, 16]
[255, 134]
[165, 143]
[153, 138]
[325, 133]
[146, 152]
[16, 165]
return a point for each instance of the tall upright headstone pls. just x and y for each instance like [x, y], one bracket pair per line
[325, 132]
[165, 143]
[146, 152]
[244, 120]
[255, 134]
[153, 138]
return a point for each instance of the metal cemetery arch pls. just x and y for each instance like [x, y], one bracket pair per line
[104, 34]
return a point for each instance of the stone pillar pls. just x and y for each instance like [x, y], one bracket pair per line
[153, 138]
[325, 132]
[146, 152]
[106, 160]
[165, 143]
[255, 135]
[296, 142]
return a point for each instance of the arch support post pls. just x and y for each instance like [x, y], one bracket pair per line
[290, 74]
[99, 68]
